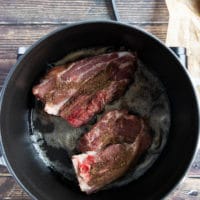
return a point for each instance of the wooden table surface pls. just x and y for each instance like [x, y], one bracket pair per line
[23, 22]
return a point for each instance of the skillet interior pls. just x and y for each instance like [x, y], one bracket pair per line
[55, 140]
[20, 154]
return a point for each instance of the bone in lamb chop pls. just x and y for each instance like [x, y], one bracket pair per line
[79, 90]
[108, 161]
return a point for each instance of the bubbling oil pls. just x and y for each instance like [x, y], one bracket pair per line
[55, 140]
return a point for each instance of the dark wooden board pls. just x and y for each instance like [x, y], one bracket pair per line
[57, 12]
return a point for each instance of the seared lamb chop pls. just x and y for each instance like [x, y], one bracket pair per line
[47, 84]
[85, 106]
[116, 126]
[94, 169]
[109, 149]
[90, 83]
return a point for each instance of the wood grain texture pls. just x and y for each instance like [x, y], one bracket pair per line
[14, 36]
[58, 12]
[143, 11]
[9, 189]
[52, 12]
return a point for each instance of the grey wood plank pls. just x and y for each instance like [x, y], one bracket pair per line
[143, 11]
[9, 189]
[50, 11]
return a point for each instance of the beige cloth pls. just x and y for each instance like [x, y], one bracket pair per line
[184, 30]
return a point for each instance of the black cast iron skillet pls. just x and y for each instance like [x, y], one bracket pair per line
[20, 155]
